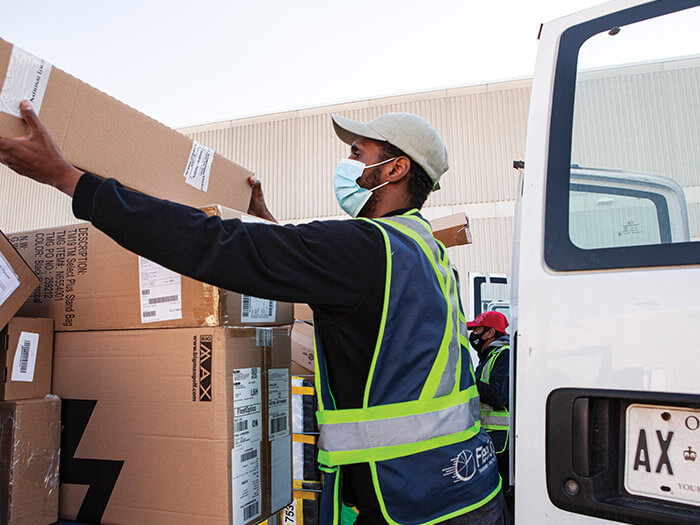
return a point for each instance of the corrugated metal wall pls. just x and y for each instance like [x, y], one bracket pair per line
[27, 205]
[295, 153]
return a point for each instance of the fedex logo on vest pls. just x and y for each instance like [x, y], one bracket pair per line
[468, 463]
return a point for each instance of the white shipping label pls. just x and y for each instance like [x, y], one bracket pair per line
[255, 310]
[278, 402]
[26, 79]
[25, 357]
[247, 406]
[264, 337]
[161, 292]
[246, 487]
[251, 218]
[280, 472]
[9, 281]
[199, 166]
[289, 514]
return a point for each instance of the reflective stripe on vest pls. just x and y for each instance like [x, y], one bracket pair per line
[493, 419]
[442, 415]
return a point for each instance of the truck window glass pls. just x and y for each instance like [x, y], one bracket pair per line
[632, 197]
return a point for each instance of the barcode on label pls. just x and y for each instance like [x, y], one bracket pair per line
[270, 308]
[249, 455]
[278, 424]
[246, 306]
[24, 358]
[250, 510]
[240, 426]
[150, 313]
[145, 292]
[166, 299]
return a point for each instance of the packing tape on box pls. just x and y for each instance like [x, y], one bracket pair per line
[26, 79]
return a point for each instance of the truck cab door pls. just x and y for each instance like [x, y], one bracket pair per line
[606, 271]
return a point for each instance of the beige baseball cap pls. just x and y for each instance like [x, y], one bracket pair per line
[411, 134]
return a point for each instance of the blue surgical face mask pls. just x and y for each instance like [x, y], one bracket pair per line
[350, 195]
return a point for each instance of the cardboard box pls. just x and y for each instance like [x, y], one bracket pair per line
[164, 426]
[303, 312]
[303, 346]
[26, 349]
[17, 281]
[29, 453]
[100, 134]
[89, 282]
[452, 230]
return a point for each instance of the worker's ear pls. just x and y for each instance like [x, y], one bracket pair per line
[399, 169]
[489, 333]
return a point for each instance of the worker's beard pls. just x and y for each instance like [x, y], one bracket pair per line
[370, 179]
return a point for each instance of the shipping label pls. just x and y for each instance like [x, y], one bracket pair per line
[264, 337]
[278, 402]
[255, 310]
[251, 218]
[59, 259]
[289, 514]
[26, 79]
[247, 406]
[246, 484]
[161, 292]
[9, 281]
[199, 166]
[25, 357]
[280, 472]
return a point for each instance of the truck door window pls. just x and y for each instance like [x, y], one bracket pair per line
[623, 181]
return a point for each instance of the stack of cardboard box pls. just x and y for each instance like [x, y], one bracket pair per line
[175, 394]
[29, 416]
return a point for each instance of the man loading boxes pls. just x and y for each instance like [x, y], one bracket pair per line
[383, 362]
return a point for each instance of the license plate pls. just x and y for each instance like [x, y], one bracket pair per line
[661, 453]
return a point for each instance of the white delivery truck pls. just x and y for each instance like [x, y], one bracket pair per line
[605, 282]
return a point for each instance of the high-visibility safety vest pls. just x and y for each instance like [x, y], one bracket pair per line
[494, 421]
[418, 428]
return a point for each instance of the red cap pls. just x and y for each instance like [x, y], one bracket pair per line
[495, 320]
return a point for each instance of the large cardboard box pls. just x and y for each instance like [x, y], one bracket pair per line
[29, 457]
[100, 134]
[17, 281]
[89, 282]
[165, 426]
[26, 349]
[452, 230]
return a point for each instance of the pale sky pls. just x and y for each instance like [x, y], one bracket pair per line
[186, 63]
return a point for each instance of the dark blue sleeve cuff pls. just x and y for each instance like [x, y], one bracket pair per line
[84, 194]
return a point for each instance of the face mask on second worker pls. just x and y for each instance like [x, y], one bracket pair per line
[350, 195]
[477, 340]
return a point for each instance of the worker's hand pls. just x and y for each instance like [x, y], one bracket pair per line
[37, 156]
[257, 204]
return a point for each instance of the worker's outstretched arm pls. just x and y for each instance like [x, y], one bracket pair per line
[37, 156]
